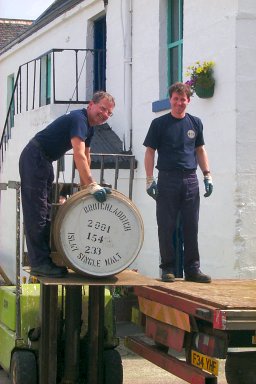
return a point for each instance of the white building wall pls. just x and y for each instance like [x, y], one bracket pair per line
[227, 227]
[245, 215]
[224, 34]
[209, 34]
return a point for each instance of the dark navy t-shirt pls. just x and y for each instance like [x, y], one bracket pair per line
[55, 139]
[175, 141]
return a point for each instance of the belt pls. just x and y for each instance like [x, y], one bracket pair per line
[178, 171]
[39, 146]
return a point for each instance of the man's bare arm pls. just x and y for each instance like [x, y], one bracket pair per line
[82, 160]
[149, 161]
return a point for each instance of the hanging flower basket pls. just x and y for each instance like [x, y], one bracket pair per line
[204, 91]
[201, 79]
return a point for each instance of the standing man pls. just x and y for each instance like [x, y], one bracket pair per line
[178, 139]
[73, 130]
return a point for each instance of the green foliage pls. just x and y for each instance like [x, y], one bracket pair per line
[201, 74]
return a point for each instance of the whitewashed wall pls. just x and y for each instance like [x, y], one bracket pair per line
[245, 236]
[213, 38]
[227, 228]
[136, 65]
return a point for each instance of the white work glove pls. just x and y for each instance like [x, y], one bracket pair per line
[151, 187]
[100, 193]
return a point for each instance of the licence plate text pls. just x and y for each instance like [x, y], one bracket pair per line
[204, 362]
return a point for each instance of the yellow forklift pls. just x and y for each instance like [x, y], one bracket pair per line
[59, 331]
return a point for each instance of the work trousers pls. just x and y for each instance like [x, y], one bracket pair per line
[36, 173]
[178, 191]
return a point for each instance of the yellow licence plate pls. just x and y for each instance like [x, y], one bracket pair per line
[204, 362]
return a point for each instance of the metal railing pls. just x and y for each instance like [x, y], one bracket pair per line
[58, 76]
[117, 159]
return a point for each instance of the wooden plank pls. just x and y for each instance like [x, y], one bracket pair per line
[224, 293]
[124, 278]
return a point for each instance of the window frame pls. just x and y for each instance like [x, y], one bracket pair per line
[45, 79]
[171, 45]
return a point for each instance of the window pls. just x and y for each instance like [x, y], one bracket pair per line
[45, 80]
[175, 40]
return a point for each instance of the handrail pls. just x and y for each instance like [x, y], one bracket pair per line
[115, 157]
[31, 72]
[130, 158]
[7, 127]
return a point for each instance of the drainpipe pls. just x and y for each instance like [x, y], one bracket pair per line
[127, 39]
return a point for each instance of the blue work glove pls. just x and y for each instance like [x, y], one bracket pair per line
[208, 185]
[100, 193]
[151, 187]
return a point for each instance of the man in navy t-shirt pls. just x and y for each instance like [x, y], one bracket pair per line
[73, 130]
[178, 139]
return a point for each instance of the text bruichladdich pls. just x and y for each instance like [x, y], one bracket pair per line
[109, 207]
[92, 254]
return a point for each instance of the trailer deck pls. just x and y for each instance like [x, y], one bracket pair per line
[207, 321]
[221, 293]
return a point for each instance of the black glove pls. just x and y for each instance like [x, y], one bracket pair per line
[208, 185]
[100, 193]
[151, 187]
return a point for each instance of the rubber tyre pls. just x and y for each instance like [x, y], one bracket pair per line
[23, 368]
[113, 367]
[240, 367]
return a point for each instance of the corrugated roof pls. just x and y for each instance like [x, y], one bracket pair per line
[57, 8]
[10, 29]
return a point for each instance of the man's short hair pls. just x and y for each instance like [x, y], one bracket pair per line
[99, 95]
[180, 88]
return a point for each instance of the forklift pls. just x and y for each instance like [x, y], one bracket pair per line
[21, 316]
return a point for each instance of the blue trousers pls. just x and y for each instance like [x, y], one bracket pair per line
[178, 191]
[36, 173]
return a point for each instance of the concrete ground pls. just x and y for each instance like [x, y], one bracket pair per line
[139, 371]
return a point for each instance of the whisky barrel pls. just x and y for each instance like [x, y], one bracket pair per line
[98, 239]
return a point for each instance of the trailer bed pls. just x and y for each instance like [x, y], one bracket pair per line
[227, 304]
[208, 321]
[220, 293]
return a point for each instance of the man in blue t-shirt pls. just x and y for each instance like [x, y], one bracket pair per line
[178, 139]
[73, 130]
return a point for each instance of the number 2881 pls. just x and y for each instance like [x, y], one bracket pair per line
[98, 225]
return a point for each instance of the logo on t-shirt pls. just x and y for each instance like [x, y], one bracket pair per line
[191, 134]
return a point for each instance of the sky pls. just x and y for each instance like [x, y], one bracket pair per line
[23, 9]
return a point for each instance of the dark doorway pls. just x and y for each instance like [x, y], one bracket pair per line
[100, 54]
